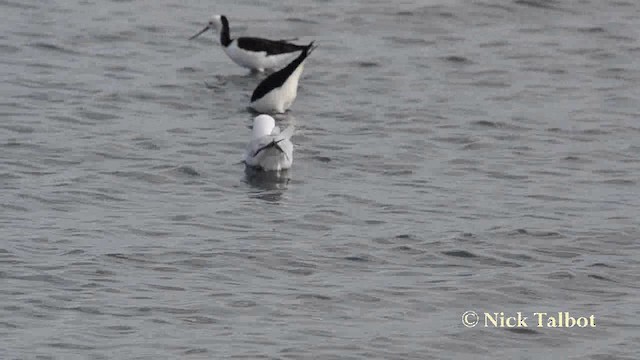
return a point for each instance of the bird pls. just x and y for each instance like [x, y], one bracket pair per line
[277, 92]
[269, 149]
[254, 53]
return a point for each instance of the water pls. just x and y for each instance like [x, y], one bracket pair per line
[449, 156]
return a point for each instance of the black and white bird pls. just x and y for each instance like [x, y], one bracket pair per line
[277, 92]
[269, 149]
[253, 53]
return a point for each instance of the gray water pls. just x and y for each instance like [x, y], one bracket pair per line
[449, 156]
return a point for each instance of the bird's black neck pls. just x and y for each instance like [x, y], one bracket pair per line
[225, 37]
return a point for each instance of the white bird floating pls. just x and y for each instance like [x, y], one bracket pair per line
[254, 53]
[277, 92]
[269, 149]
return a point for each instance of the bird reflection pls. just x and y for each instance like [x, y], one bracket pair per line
[270, 185]
[222, 82]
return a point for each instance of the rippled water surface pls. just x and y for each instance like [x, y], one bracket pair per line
[449, 156]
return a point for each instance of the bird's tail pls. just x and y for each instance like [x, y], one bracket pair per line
[309, 48]
[286, 133]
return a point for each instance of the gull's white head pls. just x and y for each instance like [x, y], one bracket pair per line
[262, 125]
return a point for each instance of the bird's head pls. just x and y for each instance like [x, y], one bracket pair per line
[215, 23]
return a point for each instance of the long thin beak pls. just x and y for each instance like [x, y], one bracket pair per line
[200, 33]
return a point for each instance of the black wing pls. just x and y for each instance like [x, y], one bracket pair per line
[271, 47]
[279, 77]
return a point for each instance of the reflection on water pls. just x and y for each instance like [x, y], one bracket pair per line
[271, 184]
[247, 81]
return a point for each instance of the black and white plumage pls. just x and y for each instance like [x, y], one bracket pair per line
[277, 92]
[269, 149]
[253, 53]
